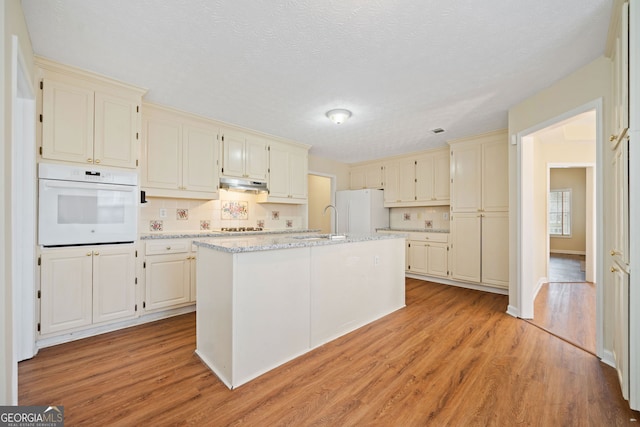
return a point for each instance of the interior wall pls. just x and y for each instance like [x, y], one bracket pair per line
[12, 21]
[574, 179]
[319, 198]
[586, 85]
[331, 167]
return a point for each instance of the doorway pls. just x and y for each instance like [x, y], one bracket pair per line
[559, 221]
[320, 194]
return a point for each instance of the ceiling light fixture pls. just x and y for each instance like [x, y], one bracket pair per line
[339, 115]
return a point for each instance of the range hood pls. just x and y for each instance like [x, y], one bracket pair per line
[243, 185]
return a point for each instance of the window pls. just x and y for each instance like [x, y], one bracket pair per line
[560, 212]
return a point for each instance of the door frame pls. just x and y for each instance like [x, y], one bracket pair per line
[524, 206]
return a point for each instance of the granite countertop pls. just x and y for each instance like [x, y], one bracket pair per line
[213, 233]
[415, 230]
[266, 243]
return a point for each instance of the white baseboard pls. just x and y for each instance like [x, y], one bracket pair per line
[567, 252]
[513, 311]
[607, 358]
[443, 281]
[97, 330]
[541, 281]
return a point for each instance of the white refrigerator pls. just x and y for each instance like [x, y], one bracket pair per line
[361, 211]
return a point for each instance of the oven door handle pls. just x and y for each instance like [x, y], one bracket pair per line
[89, 186]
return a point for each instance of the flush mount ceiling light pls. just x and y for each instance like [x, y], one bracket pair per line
[339, 115]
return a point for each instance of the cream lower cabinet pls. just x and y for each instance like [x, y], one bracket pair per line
[428, 254]
[168, 269]
[86, 285]
[479, 248]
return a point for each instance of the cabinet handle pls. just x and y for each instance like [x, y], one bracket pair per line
[96, 253]
[168, 248]
[613, 269]
[89, 160]
[613, 138]
[97, 161]
[614, 252]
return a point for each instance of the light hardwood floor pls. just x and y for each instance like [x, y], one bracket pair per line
[451, 357]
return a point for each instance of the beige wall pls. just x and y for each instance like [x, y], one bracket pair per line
[586, 85]
[574, 179]
[12, 21]
[331, 167]
[319, 198]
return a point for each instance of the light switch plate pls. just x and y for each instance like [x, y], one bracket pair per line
[163, 213]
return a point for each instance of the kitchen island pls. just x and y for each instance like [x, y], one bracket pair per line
[264, 300]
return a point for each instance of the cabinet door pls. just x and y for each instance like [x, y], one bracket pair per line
[200, 154]
[279, 173]
[441, 175]
[620, 346]
[167, 280]
[233, 144]
[66, 300]
[620, 168]
[256, 158]
[391, 182]
[466, 174]
[67, 122]
[495, 176]
[114, 291]
[373, 176]
[298, 167]
[192, 277]
[495, 249]
[116, 130]
[424, 178]
[407, 173]
[417, 257]
[465, 247]
[437, 260]
[163, 153]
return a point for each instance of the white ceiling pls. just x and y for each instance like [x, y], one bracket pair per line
[402, 68]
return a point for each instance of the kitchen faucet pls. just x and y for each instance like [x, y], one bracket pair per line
[335, 213]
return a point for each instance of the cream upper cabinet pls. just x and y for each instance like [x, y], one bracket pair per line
[466, 178]
[367, 176]
[86, 285]
[417, 180]
[391, 182]
[88, 119]
[244, 155]
[180, 155]
[495, 176]
[288, 167]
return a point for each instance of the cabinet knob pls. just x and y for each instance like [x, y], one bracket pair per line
[89, 160]
[96, 253]
[97, 161]
[168, 248]
[88, 253]
[613, 138]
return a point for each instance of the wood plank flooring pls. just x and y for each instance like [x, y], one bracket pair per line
[569, 311]
[451, 357]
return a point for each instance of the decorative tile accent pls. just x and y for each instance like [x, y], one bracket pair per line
[205, 224]
[260, 223]
[275, 215]
[155, 225]
[428, 224]
[407, 216]
[289, 223]
[182, 214]
[232, 209]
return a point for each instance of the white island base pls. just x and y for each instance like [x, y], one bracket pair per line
[257, 310]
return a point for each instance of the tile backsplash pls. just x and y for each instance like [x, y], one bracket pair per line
[176, 215]
[429, 218]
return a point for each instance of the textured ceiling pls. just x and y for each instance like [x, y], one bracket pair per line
[402, 68]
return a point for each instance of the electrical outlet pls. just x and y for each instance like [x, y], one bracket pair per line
[163, 213]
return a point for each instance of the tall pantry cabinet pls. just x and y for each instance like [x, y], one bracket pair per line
[480, 210]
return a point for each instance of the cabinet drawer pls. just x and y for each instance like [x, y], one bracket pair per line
[168, 246]
[431, 237]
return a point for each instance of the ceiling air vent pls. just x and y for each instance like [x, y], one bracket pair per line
[437, 130]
